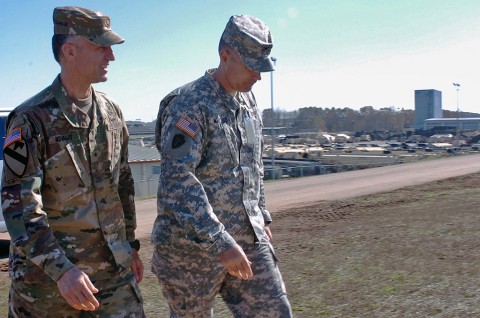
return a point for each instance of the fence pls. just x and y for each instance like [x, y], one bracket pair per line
[296, 171]
[148, 188]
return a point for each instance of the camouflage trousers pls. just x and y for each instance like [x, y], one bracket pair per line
[119, 297]
[191, 278]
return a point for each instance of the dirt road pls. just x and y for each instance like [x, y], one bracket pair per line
[409, 253]
[292, 193]
[303, 191]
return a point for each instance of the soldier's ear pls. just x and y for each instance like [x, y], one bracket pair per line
[68, 50]
[224, 54]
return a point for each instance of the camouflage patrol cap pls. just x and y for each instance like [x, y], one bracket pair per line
[93, 26]
[252, 39]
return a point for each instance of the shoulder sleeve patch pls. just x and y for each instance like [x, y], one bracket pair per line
[15, 152]
[187, 126]
[14, 136]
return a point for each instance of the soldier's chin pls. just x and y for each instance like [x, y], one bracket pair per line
[246, 89]
[103, 78]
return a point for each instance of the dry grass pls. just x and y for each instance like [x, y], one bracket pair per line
[408, 253]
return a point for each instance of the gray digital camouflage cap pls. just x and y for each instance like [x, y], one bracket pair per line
[252, 39]
[93, 26]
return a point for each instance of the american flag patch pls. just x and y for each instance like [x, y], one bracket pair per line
[13, 136]
[187, 127]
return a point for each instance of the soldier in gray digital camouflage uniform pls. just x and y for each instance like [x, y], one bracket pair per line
[212, 233]
[67, 189]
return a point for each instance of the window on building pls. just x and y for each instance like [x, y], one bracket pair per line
[155, 169]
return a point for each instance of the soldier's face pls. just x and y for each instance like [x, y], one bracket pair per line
[240, 77]
[91, 61]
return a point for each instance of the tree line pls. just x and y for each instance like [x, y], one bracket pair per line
[336, 120]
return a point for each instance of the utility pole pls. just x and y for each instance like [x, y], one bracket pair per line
[272, 119]
[457, 134]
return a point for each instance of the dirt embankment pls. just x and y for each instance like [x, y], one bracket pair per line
[411, 252]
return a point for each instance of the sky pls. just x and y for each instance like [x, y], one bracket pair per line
[330, 53]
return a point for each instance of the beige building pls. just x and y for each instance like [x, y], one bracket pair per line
[145, 165]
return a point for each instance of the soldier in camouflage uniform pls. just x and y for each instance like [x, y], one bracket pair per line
[211, 233]
[67, 189]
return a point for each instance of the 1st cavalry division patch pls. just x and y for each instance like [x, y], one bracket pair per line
[15, 152]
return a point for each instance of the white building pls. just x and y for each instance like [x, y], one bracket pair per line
[145, 165]
[460, 123]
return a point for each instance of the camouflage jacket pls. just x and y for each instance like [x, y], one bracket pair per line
[210, 190]
[67, 189]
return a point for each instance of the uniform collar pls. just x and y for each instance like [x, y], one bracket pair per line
[230, 101]
[72, 113]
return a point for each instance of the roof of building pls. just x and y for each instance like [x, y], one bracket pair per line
[453, 119]
[140, 128]
[142, 154]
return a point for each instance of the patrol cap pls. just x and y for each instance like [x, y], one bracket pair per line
[93, 26]
[252, 39]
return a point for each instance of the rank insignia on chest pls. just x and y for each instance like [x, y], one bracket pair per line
[187, 127]
[15, 152]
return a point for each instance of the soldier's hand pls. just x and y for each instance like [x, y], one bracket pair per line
[137, 266]
[236, 262]
[78, 290]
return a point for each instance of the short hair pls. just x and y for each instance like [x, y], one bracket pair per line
[57, 41]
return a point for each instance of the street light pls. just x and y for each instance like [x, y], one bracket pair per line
[402, 122]
[457, 86]
[274, 60]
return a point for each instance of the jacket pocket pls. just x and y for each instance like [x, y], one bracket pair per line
[65, 174]
[114, 133]
[231, 141]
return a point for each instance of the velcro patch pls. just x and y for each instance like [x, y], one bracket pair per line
[178, 140]
[13, 136]
[187, 127]
[15, 152]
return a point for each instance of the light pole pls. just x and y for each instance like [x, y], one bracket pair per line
[402, 122]
[274, 60]
[457, 137]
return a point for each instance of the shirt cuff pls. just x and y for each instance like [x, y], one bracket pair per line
[57, 267]
[223, 242]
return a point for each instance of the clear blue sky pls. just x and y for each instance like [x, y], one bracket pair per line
[330, 53]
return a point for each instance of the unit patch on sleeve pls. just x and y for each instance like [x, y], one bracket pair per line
[187, 127]
[178, 140]
[15, 152]
[13, 136]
